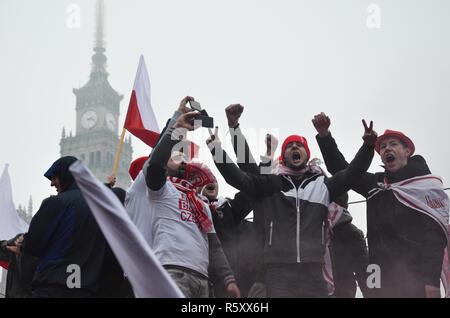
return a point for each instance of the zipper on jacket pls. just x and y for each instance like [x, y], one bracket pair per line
[298, 228]
[297, 205]
[270, 233]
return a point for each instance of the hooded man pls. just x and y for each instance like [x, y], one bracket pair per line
[295, 206]
[66, 239]
[407, 214]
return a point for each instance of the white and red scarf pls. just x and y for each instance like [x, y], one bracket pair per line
[196, 203]
[312, 166]
[425, 194]
[335, 212]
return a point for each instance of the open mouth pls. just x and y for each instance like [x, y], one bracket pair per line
[390, 158]
[296, 157]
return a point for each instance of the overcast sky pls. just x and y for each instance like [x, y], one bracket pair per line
[285, 61]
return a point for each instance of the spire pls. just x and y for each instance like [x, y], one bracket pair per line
[99, 29]
[99, 59]
[30, 206]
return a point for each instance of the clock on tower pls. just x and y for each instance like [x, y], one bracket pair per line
[97, 108]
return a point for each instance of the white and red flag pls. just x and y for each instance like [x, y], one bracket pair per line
[10, 222]
[141, 120]
[426, 195]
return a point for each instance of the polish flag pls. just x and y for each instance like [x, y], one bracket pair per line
[141, 120]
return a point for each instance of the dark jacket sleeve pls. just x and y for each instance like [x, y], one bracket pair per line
[354, 245]
[256, 186]
[238, 209]
[344, 180]
[156, 170]
[432, 254]
[240, 206]
[4, 252]
[335, 162]
[41, 227]
[218, 263]
[244, 156]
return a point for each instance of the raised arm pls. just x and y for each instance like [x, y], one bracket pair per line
[345, 179]
[245, 159]
[156, 167]
[252, 184]
[334, 159]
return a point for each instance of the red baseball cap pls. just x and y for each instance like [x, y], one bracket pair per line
[297, 138]
[136, 167]
[395, 134]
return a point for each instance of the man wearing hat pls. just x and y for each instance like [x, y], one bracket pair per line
[295, 202]
[407, 214]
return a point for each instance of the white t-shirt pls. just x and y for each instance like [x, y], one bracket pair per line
[137, 204]
[171, 227]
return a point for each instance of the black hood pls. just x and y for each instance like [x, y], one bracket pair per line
[60, 169]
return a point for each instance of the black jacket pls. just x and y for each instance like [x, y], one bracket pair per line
[21, 269]
[64, 232]
[238, 238]
[294, 216]
[349, 258]
[407, 245]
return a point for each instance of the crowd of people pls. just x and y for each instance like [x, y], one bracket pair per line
[301, 242]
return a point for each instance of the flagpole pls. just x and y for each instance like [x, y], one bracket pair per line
[118, 152]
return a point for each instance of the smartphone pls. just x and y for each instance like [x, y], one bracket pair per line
[195, 105]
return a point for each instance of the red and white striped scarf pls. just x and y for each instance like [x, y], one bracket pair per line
[425, 194]
[335, 212]
[196, 203]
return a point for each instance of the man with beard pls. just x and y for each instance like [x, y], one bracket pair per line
[182, 234]
[295, 211]
[407, 214]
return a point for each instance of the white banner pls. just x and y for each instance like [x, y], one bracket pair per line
[147, 276]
